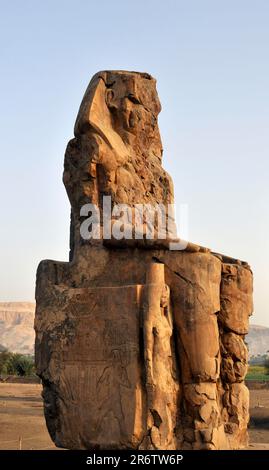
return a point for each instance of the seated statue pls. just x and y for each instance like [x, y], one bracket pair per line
[140, 336]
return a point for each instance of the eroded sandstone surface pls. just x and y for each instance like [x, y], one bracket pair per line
[137, 346]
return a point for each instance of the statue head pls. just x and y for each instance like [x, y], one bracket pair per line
[122, 108]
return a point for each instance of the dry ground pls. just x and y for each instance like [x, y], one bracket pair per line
[259, 419]
[22, 419]
[22, 422]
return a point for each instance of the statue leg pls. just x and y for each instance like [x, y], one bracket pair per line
[194, 280]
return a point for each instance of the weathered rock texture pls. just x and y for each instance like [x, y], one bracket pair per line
[137, 346]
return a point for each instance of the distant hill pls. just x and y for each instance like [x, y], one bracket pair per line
[258, 340]
[17, 326]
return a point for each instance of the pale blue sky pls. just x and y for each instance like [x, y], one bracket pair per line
[211, 60]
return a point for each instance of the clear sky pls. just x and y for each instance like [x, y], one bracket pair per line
[211, 60]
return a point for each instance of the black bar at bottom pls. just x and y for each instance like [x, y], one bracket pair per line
[120, 459]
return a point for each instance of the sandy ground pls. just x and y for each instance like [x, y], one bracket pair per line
[22, 422]
[259, 419]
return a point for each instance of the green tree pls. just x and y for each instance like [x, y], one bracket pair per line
[16, 364]
[5, 357]
[20, 365]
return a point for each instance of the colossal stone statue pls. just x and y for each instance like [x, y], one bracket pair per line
[137, 346]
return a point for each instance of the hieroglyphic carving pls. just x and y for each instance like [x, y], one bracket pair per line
[100, 375]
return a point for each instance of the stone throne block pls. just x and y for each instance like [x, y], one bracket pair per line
[95, 358]
[102, 367]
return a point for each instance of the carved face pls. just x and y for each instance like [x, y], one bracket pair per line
[122, 107]
[134, 106]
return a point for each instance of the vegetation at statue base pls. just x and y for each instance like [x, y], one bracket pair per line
[258, 373]
[258, 368]
[16, 364]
